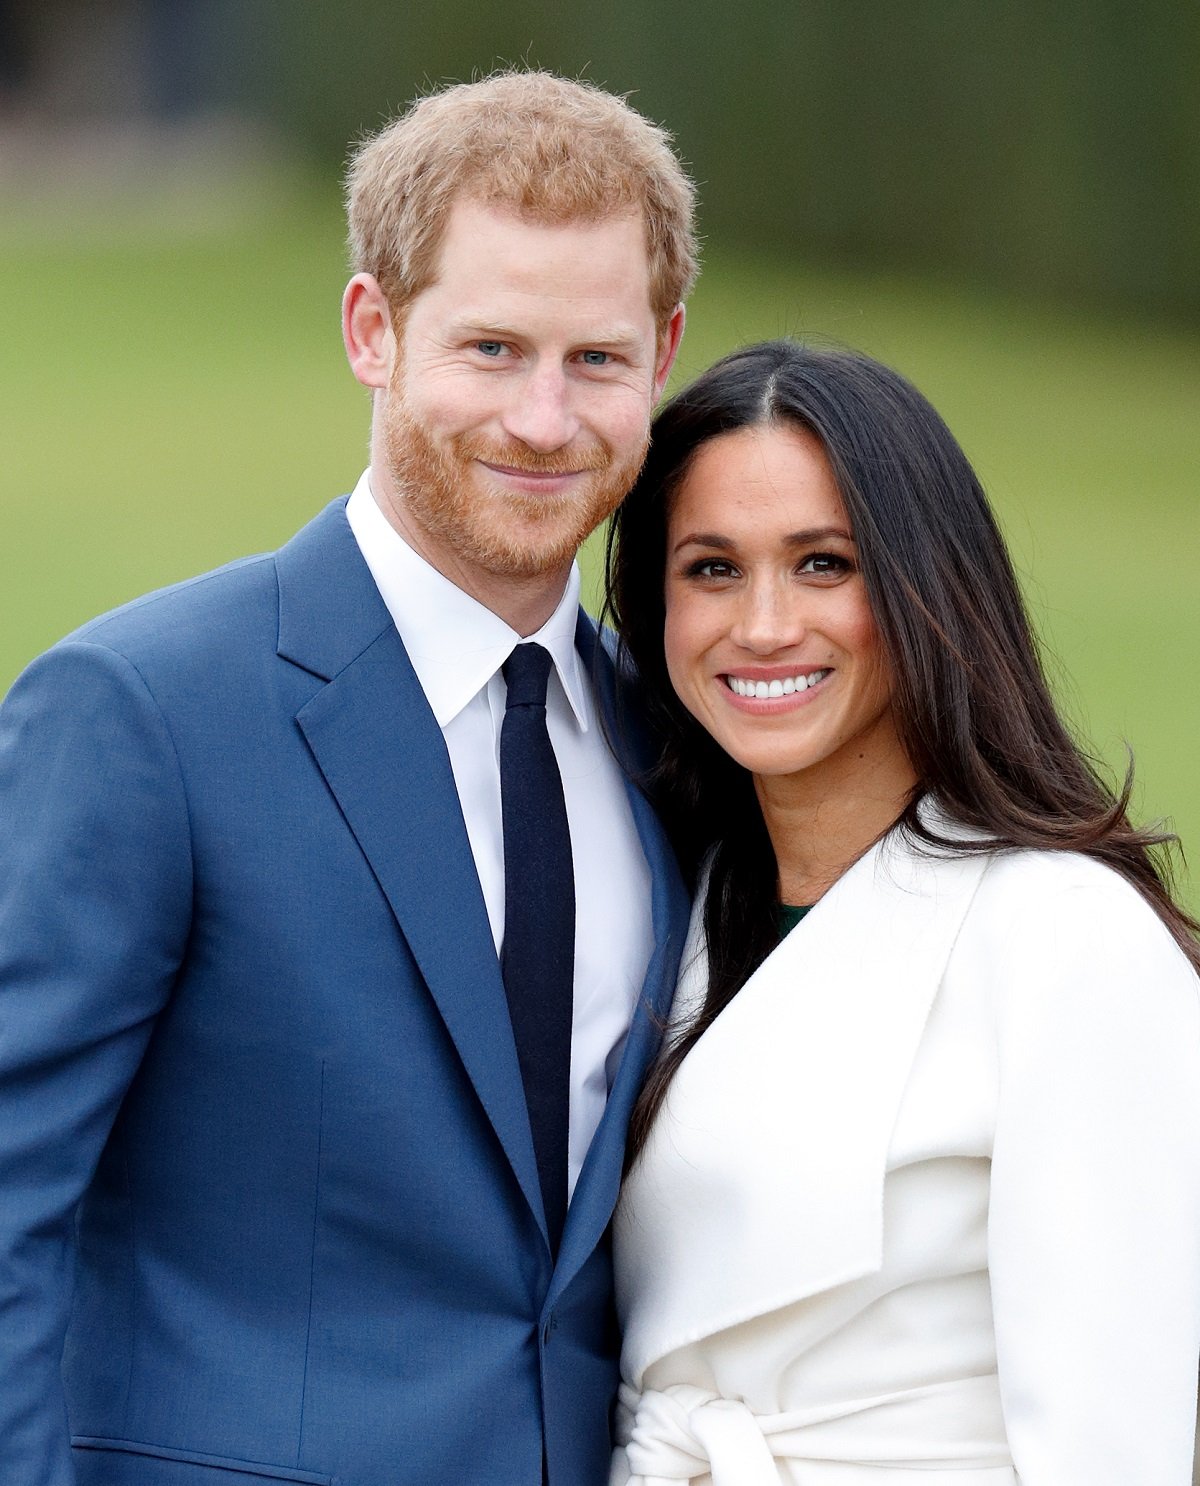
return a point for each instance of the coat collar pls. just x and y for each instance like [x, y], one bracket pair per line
[330, 611]
[734, 1208]
[455, 643]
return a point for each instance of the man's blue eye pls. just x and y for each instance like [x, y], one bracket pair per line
[595, 358]
[489, 348]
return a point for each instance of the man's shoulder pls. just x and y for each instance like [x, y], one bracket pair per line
[602, 650]
[216, 596]
[237, 601]
[172, 626]
[619, 696]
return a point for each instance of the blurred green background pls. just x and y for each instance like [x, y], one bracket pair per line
[1002, 201]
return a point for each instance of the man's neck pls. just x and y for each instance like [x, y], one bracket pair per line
[525, 601]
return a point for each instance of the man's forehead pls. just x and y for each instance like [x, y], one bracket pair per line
[494, 263]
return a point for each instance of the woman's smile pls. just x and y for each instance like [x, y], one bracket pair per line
[775, 686]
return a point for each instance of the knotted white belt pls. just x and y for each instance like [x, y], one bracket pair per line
[682, 1432]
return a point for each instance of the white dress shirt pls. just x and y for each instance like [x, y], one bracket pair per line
[457, 648]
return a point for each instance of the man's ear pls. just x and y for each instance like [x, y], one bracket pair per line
[668, 349]
[367, 331]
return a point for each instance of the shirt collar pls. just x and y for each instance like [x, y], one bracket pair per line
[455, 644]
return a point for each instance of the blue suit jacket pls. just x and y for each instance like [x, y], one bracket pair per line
[257, 1080]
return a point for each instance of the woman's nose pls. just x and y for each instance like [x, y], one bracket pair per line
[769, 619]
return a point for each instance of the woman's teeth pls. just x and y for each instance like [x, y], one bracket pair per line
[784, 687]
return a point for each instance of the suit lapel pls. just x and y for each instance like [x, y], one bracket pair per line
[383, 757]
[774, 1137]
[599, 1181]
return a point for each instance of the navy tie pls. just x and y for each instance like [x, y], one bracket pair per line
[538, 955]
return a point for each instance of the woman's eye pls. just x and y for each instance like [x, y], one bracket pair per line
[825, 564]
[712, 567]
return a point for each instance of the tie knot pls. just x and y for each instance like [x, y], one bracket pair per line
[526, 672]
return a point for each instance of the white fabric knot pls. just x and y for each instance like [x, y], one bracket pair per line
[682, 1432]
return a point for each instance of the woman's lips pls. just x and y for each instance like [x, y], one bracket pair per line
[775, 686]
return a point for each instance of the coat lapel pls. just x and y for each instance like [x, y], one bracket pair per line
[599, 1181]
[382, 754]
[762, 1182]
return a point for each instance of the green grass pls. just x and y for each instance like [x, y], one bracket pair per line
[175, 398]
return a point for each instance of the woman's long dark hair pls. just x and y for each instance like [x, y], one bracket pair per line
[971, 703]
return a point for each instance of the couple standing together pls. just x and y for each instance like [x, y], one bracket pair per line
[350, 979]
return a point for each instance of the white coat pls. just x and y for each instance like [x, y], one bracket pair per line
[924, 1201]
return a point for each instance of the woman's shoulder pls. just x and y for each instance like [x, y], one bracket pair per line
[1052, 931]
[1048, 885]
[1030, 870]
[1029, 891]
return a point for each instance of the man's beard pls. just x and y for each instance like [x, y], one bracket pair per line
[505, 532]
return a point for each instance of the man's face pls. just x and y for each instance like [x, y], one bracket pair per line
[517, 412]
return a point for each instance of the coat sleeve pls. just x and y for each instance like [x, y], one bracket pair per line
[1094, 1226]
[95, 894]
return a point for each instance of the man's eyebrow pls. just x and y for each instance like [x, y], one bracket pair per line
[804, 538]
[618, 336]
[471, 324]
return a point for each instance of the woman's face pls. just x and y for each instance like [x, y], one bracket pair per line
[770, 641]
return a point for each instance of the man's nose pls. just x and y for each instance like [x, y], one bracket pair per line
[541, 412]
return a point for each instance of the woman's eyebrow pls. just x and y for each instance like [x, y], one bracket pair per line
[720, 543]
[812, 534]
[704, 539]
